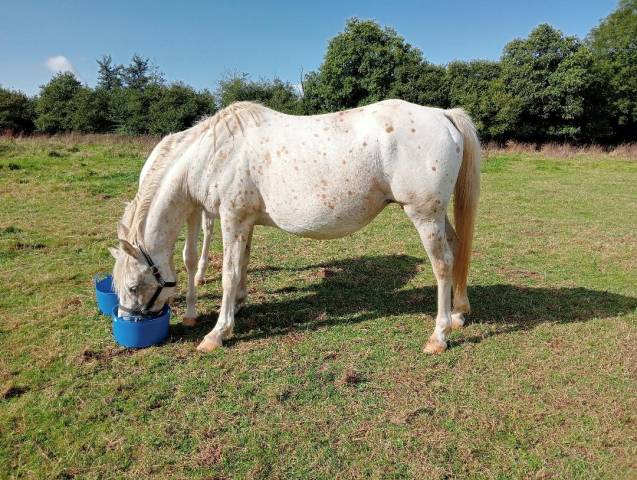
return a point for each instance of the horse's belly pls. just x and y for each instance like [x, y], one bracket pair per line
[326, 218]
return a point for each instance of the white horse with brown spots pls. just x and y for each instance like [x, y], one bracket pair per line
[322, 176]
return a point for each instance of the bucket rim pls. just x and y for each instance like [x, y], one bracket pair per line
[165, 312]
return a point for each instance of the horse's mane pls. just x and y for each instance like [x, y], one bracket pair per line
[220, 127]
[232, 120]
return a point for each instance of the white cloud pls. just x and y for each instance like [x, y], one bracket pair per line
[60, 64]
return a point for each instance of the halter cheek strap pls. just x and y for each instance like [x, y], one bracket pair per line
[146, 310]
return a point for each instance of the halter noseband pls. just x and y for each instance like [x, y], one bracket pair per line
[146, 311]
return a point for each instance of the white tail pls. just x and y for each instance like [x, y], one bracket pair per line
[466, 194]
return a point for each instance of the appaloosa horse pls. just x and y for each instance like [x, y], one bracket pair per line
[321, 176]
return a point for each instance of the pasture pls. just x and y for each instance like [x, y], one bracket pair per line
[325, 377]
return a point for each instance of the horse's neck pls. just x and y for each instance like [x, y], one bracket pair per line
[166, 215]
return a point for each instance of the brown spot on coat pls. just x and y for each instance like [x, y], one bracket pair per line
[389, 129]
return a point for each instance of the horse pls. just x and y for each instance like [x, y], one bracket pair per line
[321, 176]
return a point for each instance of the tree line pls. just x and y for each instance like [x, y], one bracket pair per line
[545, 87]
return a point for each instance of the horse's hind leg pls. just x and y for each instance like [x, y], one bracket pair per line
[433, 236]
[208, 226]
[242, 291]
[460, 298]
[190, 260]
[235, 234]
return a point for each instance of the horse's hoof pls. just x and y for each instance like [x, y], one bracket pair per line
[209, 343]
[433, 345]
[200, 281]
[189, 322]
[457, 321]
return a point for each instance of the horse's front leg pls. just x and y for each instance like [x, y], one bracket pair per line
[236, 234]
[190, 260]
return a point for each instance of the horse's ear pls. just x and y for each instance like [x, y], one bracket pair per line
[129, 249]
[122, 231]
[114, 252]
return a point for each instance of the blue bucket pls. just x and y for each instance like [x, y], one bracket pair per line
[104, 294]
[137, 332]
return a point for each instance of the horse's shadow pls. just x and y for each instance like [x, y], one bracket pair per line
[365, 288]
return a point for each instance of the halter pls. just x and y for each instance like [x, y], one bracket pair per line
[146, 311]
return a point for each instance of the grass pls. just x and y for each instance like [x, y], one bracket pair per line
[325, 377]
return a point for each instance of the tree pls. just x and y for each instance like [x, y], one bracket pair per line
[614, 50]
[130, 108]
[17, 112]
[366, 63]
[422, 83]
[476, 87]
[54, 106]
[109, 76]
[549, 80]
[131, 91]
[140, 73]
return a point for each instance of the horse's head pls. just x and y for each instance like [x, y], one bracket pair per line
[142, 286]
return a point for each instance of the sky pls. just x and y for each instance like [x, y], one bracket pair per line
[198, 42]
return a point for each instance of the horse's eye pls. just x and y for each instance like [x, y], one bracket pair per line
[132, 289]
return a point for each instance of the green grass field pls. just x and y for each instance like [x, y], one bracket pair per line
[325, 377]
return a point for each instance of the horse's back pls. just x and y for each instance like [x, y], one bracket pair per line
[325, 176]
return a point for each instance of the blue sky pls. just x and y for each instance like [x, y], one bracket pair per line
[197, 42]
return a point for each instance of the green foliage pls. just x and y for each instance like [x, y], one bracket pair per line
[89, 111]
[109, 75]
[140, 73]
[275, 94]
[158, 109]
[367, 63]
[614, 49]
[476, 86]
[55, 104]
[422, 83]
[17, 112]
[131, 108]
[548, 75]
[177, 107]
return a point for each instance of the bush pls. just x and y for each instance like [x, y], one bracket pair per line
[178, 107]
[17, 112]
[54, 107]
[276, 94]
